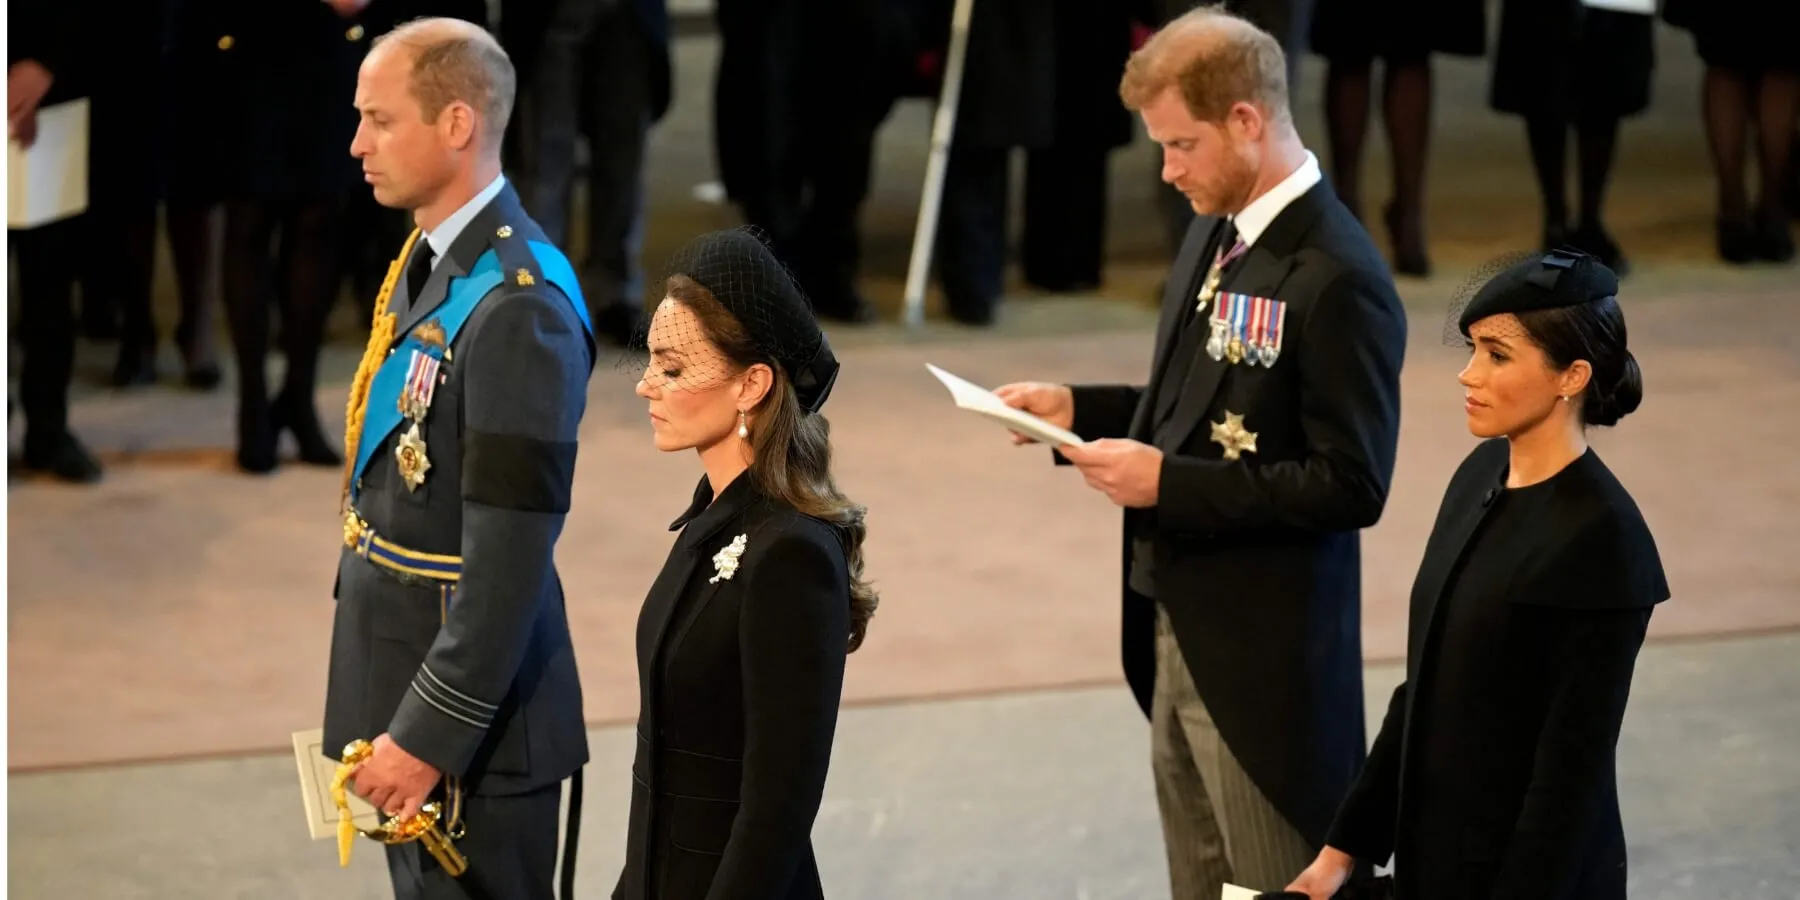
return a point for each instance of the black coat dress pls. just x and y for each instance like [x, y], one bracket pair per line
[1748, 35]
[263, 97]
[1493, 775]
[740, 673]
[1398, 30]
[1562, 58]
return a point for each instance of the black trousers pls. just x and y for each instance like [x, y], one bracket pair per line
[510, 844]
[1063, 246]
[971, 238]
[801, 91]
[47, 260]
[287, 249]
[591, 76]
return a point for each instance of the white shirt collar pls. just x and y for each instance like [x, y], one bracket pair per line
[448, 230]
[1255, 218]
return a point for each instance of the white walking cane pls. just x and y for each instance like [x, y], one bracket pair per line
[943, 127]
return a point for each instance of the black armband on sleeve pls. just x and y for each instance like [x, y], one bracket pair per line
[510, 471]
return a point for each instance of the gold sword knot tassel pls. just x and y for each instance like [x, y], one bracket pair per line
[422, 827]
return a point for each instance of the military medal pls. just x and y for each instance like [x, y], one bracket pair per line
[1273, 321]
[1232, 435]
[1215, 342]
[1247, 329]
[1215, 273]
[421, 384]
[410, 454]
[423, 375]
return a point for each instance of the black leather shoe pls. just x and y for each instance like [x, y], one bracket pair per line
[62, 457]
[1774, 238]
[1592, 239]
[134, 368]
[256, 439]
[299, 417]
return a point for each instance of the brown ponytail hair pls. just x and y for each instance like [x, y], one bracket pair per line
[791, 451]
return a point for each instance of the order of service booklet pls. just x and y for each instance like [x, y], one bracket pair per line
[978, 399]
[316, 772]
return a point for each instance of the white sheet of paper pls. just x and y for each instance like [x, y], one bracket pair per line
[978, 399]
[48, 181]
[1641, 7]
[1233, 892]
[316, 772]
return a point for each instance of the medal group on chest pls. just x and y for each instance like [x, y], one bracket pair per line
[1242, 329]
[423, 375]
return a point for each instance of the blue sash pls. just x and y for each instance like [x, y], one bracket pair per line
[465, 294]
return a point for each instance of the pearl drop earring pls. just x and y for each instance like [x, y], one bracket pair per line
[743, 427]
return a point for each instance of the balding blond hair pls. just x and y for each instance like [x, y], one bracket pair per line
[1214, 59]
[454, 60]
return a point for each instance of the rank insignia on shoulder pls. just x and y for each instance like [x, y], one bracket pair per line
[1247, 329]
[524, 278]
[504, 231]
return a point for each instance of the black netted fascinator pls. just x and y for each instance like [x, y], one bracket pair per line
[739, 269]
[1526, 282]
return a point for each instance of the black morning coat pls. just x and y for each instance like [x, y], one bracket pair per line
[741, 651]
[1258, 560]
[1493, 774]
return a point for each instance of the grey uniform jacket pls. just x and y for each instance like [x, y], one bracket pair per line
[476, 678]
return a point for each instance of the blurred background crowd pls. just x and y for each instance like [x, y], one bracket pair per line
[223, 128]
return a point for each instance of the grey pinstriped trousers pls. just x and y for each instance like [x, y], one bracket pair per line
[1217, 826]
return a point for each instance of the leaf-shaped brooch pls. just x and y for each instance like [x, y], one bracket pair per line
[725, 562]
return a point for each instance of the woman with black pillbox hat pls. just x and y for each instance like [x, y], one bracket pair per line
[1493, 774]
[743, 637]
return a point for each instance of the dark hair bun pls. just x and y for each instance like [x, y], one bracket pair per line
[1606, 408]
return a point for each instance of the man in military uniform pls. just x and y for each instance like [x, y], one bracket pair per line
[450, 650]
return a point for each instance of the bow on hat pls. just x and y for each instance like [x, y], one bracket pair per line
[741, 272]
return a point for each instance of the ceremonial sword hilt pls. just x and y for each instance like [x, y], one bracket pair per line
[422, 827]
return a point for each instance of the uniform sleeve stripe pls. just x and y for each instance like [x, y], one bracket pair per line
[474, 704]
[440, 707]
[427, 689]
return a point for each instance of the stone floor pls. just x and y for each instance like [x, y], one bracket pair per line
[1040, 795]
[167, 628]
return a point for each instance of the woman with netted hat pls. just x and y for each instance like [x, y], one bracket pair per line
[743, 637]
[1493, 774]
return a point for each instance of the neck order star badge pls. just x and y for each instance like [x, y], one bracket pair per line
[1233, 436]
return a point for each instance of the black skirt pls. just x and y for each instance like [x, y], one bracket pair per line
[1558, 57]
[1360, 30]
[1741, 34]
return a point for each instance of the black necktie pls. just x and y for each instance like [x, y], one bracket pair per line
[419, 269]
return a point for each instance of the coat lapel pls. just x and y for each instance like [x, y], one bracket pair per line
[1266, 265]
[704, 533]
[1264, 268]
[1179, 296]
[467, 248]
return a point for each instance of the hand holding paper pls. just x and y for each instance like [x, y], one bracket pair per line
[1034, 411]
[1326, 875]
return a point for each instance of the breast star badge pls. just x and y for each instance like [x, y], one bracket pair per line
[410, 454]
[1232, 435]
